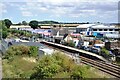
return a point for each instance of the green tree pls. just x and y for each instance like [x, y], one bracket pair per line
[4, 34]
[19, 23]
[24, 22]
[3, 29]
[105, 53]
[33, 24]
[2, 26]
[8, 23]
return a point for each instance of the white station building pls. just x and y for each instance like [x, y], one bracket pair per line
[107, 30]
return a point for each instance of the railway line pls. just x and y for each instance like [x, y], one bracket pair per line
[109, 68]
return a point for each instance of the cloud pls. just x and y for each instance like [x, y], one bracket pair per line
[60, 1]
[3, 9]
[27, 13]
[67, 8]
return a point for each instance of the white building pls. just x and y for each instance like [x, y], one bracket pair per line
[106, 30]
[19, 26]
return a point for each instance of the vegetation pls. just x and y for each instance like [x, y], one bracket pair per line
[20, 33]
[19, 67]
[51, 65]
[71, 44]
[24, 22]
[20, 62]
[4, 34]
[105, 53]
[3, 30]
[118, 60]
[33, 51]
[33, 24]
[21, 50]
[48, 22]
[8, 23]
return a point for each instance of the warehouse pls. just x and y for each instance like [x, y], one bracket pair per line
[106, 30]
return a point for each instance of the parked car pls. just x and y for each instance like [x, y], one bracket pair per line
[81, 47]
[24, 38]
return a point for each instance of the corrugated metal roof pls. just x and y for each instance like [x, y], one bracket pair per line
[85, 25]
[99, 26]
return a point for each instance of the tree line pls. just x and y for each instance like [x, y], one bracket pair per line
[34, 23]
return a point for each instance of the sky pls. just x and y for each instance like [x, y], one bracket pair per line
[104, 11]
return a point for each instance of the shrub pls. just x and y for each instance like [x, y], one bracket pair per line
[24, 49]
[46, 68]
[50, 65]
[33, 51]
[79, 72]
[4, 34]
[17, 50]
[105, 52]
[71, 44]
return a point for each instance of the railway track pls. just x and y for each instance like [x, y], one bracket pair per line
[109, 68]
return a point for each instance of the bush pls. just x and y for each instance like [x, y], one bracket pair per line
[24, 49]
[33, 51]
[71, 44]
[4, 34]
[50, 65]
[46, 68]
[79, 72]
[105, 52]
[21, 50]
[16, 50]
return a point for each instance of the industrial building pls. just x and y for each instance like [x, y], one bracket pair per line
[109, 31]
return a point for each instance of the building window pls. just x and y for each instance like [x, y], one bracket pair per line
[110, 29]
[105, 29]
[100, 29]
[116, 29]
[94, 29]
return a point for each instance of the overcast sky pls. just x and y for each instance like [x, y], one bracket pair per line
[105, 11]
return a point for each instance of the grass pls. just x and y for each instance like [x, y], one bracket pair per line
[18, 67]
[62, 75]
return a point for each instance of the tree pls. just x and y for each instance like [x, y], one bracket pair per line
[8, 23]
[105, 53]
[3, 30]
[24, 22]
[19, 23]
[4, 34]
[2, 26]
[33, 24]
